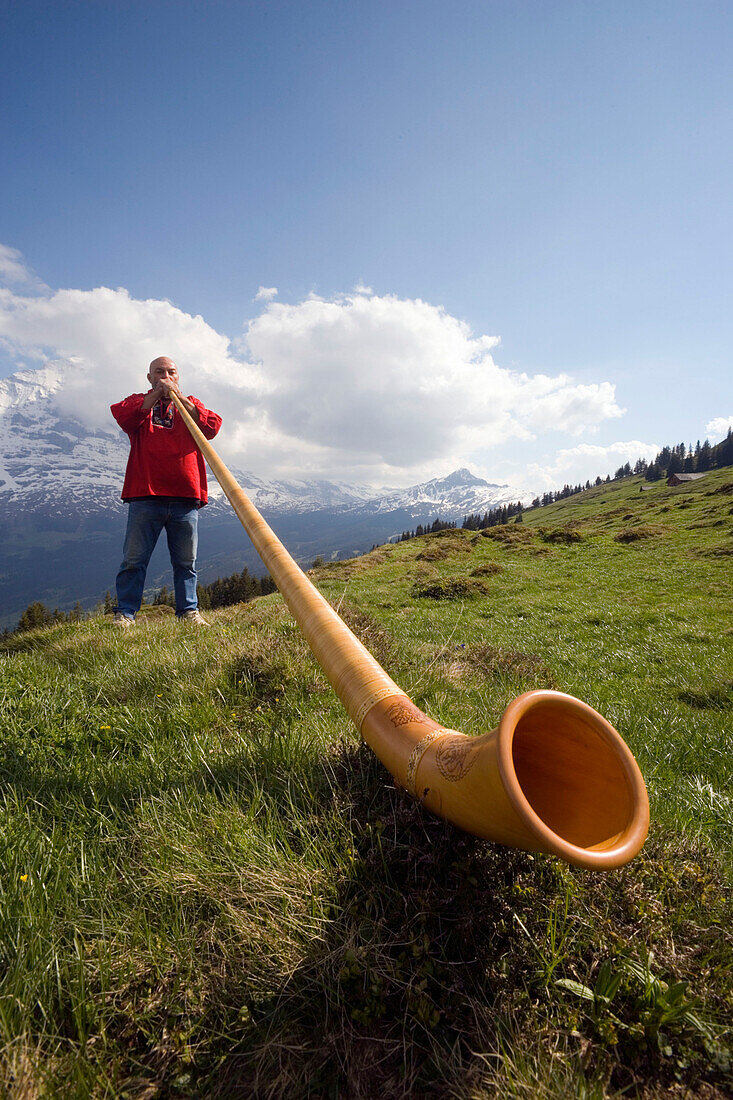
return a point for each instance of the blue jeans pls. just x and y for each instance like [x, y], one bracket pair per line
[145, 520]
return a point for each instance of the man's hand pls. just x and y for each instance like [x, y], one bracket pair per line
[162, 392]
[166, 386]
[159, 392]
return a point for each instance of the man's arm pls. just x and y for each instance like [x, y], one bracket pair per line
[209, 422]
[130, 412]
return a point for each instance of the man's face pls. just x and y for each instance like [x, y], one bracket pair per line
[162, 370]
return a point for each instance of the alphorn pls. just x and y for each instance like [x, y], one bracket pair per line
[554, 776]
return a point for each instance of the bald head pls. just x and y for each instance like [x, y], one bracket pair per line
[162, 369]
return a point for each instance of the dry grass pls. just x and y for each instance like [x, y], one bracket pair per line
[494, 661]
[643, 531]
[433, 553]
[488, 569]
[509, 534]
[560, 535]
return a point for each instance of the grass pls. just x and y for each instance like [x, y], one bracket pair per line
[208, 887]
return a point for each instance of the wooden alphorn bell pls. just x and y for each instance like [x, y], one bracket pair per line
[554, 776]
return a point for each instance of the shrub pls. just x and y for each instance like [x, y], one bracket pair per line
[450, 588]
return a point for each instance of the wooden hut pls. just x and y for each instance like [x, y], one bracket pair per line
[682, 479]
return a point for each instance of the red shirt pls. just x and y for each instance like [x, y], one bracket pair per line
[164, 460]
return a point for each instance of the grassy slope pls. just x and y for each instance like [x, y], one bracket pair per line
[210, 888]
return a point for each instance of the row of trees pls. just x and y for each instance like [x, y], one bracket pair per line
[37, 614]
[503, 514]
[680, 459]
[567, 491]
[238, 588]
[224, 591]
[493, 517]
[688, 460]
[438, 524]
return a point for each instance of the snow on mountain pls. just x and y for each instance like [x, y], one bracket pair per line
[294, 496]
[48, 458]
[460, 493]
[51, 462]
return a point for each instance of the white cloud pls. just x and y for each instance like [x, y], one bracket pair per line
[266, 294]
[359, 387]
[717, 428]
[382, 383]
[108, 339]
[576, 465]
[15, 272]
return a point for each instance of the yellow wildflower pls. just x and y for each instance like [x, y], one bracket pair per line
[105, 727]
[24, 878]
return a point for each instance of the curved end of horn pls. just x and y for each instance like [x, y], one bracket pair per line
[572, 780]
[554, 777]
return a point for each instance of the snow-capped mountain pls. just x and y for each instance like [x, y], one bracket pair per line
[48, 457]
[50, 460]
[454, 496]
[62, 521]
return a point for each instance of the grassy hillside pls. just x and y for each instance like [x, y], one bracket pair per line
[210, 888]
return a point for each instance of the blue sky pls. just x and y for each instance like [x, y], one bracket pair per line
[555, 174]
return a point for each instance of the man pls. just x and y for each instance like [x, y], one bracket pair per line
[165, 485]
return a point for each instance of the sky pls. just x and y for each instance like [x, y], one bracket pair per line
[388, 237]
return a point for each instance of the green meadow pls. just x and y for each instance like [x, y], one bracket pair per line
[210, 887]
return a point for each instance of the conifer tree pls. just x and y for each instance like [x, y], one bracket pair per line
[36, 614]
[705, 459]
[675, 464]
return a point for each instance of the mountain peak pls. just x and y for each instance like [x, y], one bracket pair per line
[462, 476]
